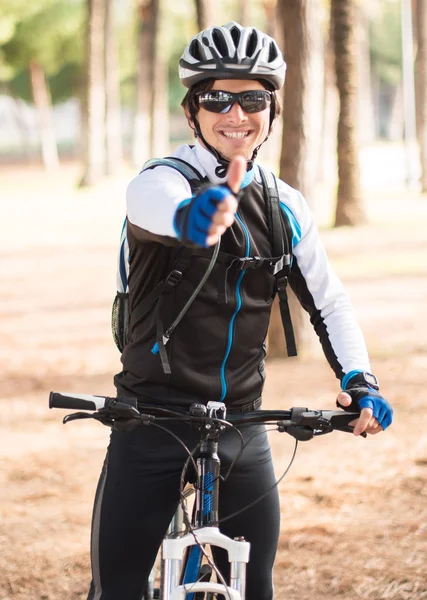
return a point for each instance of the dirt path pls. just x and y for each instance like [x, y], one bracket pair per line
[354, 511]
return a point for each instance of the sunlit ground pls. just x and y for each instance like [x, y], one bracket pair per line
[354, 512]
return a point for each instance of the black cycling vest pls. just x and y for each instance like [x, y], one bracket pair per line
[217, 351]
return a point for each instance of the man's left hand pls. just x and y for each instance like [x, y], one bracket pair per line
[375, 412]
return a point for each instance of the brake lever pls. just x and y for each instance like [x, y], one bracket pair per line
[312, 419]
[340, 421]
[76, 416]
[350, 429]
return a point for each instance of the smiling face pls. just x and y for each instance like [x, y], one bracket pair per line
[234, 133]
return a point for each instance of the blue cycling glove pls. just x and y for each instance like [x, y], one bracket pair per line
[365, 396]
[193, 217]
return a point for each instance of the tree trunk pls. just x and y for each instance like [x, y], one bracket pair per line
[95, 90]
[364, 82]
[81, 94]
[302, 123]
[113, 132]
[205, 14]
[328, 137]
[42, 102]
[421, 87]
[243, 17]
[349, 208]
[303, 49]
[141, 150]
[159, 133]
[271, 20]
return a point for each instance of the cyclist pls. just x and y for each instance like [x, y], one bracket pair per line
[232, 74]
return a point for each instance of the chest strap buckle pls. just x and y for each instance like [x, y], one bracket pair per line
[250, 262]
[173, 279]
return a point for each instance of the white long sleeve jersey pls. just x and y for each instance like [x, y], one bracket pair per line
[229, 337]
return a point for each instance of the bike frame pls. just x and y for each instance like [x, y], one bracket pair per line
[181, 549]
[181, 554]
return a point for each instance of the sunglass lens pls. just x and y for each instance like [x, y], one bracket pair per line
[253, 102]
[216, 101]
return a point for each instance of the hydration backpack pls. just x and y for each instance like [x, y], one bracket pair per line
[281, 242]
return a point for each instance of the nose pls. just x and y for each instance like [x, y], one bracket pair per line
[236, 113]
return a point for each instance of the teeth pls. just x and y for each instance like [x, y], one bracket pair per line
[236, 134]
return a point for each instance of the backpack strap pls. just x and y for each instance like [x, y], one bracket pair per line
[161, 293]
[191, 174]
[165, 304]
[123, 262]
[281, 233]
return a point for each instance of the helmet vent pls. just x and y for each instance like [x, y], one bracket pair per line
[272, 52]
[220, 43]
[194, 50]
[252, 43]
[235, 34]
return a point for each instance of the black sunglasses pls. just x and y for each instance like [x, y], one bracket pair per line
[217, 101]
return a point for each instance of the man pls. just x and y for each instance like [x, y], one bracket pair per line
[216, 352]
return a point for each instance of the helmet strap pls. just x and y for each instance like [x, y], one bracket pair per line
[223, 163]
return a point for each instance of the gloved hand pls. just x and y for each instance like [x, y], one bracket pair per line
[202, 220]
[376, 413]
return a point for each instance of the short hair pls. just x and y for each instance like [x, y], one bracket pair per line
[191, 106]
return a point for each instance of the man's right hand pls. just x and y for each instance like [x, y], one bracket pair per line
[207, 216]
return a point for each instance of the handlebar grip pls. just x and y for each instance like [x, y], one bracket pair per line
[340, 418]
[76, 401]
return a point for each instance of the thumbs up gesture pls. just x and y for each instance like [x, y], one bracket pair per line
[204, 219]
[227, 208]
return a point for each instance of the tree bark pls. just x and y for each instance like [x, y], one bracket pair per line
[94, 153]
[205, 14]
[271, 19]
[303, 50]
[302, 123]
[421, 87]
[113, 132]
[243, 17]
[42, 102]
[349, 208]
[159, 133]
[328, 137]
[366, 117]
[141, 147]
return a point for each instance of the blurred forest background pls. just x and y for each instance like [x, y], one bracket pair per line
[96, 81]
[89, 90]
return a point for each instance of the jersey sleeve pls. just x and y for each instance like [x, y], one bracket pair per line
[320, 291]
[152, 198]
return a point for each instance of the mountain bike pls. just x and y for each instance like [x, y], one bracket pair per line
[186, 567]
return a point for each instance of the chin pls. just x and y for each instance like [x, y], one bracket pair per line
[247, 154]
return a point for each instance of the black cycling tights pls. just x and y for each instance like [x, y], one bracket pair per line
[137, 495]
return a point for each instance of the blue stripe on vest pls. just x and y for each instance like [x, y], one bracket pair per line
[295, 226]
[233, 318]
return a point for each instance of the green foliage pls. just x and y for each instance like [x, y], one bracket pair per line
[63, 85]
[49, 31]
[52, 32]
[52, 36]
[386, 43]
[20, 86]
[67, 82]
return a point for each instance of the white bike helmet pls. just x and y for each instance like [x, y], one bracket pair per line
[232, 52]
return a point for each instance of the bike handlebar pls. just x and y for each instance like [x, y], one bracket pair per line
[301, 423]
[78, 401]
